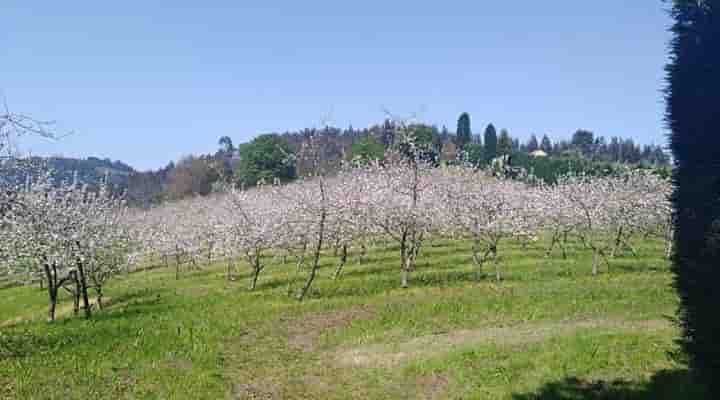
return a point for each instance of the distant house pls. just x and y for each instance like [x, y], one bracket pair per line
[538, 153]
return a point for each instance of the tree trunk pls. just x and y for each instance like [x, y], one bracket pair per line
[479, 261]
[76, 296]
[257, 268]
[313, 272]
[52, 293]
[405, 277]
[553, 240]
[229, 269]
[363, 252]
[498, 276]
[99, 297]
[52, 303]
[177, 264]
[83, 290]
[618, 242]
[403, 261]
[318, 248]
[596, 261]
[343, 260]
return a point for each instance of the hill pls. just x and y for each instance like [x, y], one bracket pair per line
[90, 171]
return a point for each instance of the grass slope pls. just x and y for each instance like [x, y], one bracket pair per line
[548, 331]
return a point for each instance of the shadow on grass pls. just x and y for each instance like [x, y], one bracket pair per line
[665, 385]
[389, 283]
[133, 297]
[29, 339]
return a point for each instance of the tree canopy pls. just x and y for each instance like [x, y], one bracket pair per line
[266, 157]
[463, 136]
[491, 142]
[504, 144]
[693, 95]
[367, 149]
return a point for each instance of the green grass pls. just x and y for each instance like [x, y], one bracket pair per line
[549, 330]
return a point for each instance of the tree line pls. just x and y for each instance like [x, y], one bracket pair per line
[271, 157]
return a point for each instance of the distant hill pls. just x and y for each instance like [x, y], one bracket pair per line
[90, 171]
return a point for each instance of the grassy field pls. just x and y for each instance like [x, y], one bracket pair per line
[548, 331]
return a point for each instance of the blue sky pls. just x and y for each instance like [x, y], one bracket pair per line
[148, 83]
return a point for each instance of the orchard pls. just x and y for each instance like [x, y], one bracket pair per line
[68, 238]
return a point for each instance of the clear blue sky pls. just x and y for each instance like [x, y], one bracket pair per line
[147, 82]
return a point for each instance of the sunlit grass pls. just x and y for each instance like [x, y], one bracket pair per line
[549, 322]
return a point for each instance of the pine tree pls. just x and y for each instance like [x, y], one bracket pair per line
[444, 134]
[532, 143]
[546, 145]
[387, 137]
[491, 142]
[463, 134]
[505, 144]
[693, 115]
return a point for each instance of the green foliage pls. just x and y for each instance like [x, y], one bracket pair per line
[226, 145]
[491, 143]
[463, 136]
[533, 144]
[546, 144]
[264, 158]
[427, 142]
[583, 141]
[367, 149]
[693, 96]
[425, 135]
[475, 153]
[504, 144]
[549, 169]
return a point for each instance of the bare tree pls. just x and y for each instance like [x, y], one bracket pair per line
[13, 126]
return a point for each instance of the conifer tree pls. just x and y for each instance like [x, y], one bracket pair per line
[693, 115]
[463, 134]
[491, 142]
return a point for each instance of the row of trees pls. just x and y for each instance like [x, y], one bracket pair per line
[265, 158]
[75, 239]
[55, 230]
[66, 237]
[406, 199]
[408, 204]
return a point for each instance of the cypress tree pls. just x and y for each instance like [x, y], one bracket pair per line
[546, 144]
[532, 143]
[505, 143]
[490, 143]
[463, 134]
[693, 115]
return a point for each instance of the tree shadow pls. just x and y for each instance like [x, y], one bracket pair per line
[387, 283]
[664, 385]
[36, 337]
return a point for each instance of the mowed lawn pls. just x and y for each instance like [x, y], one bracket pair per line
[549, 330]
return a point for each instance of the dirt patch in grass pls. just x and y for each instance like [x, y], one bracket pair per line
[432, 386]
[304, 332]
[386, 355]
[255, 391]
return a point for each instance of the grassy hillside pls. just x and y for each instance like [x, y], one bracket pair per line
[549, 330]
